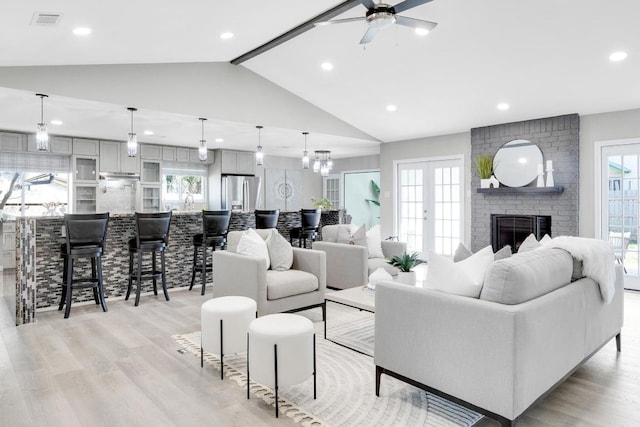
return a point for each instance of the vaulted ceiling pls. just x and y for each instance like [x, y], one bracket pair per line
[541, 57]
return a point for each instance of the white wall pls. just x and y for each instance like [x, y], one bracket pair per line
[454, 144]
[356, 164]
[593, 128]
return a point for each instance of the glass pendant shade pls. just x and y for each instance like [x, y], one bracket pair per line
[132, 140]
[324, 170]
[316, 165]
[42, 135]
[259, 153]
[305, 160]
[202, 149]
[323, 162]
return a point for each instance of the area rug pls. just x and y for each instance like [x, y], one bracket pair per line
[346, 390]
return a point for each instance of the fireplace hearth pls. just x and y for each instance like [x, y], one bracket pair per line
[513, 229]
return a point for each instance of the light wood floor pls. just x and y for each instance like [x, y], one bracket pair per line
[122, 368]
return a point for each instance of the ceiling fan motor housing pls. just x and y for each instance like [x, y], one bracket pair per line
[382, 15]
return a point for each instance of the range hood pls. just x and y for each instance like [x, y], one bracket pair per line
[120, 175]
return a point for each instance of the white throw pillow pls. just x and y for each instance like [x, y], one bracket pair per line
[358, 237]
[374, 242]
[252, 244]
[529, 244]
[280, 251]
[545, 239]
[460, 278]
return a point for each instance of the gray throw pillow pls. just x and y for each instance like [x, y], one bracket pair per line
[529, 244]
[503, 253]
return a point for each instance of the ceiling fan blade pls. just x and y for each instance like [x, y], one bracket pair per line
[368, 36]
[415, 23]
[339, 21]
[408, 4]
[369, 4]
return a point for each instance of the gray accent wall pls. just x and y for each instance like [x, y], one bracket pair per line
[558, 139]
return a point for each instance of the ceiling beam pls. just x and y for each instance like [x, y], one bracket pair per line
[295, 32]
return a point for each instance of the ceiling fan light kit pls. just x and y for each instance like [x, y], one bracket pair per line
[380, 16]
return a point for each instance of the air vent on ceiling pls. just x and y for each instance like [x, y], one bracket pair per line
[48, 19]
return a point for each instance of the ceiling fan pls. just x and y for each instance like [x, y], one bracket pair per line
[383, 15]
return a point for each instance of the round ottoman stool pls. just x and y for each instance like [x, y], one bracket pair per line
[224, 323]
[281, 351]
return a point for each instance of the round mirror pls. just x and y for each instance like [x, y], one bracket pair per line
[516, 163]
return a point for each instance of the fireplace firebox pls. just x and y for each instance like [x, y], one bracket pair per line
[513, 229]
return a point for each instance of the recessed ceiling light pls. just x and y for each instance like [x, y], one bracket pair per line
[327, 66]
[421, 31]
[82, 31]
[148, 132]
[56, 122]
[391, 107]
[503, 106]
[219, 140]
[618, 56]
[226, 36]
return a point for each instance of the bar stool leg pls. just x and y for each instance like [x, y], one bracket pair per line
[130, 275]
[94, 276]
[193, 267]
[64, 283]
[204, 267]
[164, 275]
[154, 269]
[138, 277]
[103, 302]
[67, 310]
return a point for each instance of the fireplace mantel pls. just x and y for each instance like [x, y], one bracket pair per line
[522, 190]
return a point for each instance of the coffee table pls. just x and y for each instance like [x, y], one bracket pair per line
[360, 297]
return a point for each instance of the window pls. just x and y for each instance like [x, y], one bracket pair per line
[185, 185]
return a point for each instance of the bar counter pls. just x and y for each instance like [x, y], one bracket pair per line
[39, 264]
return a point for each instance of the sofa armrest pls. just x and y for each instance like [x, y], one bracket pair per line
[242, 275]
[346, 264]
[391, 248]
[311, 261]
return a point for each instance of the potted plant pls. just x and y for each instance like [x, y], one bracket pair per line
[405, 263]
[322, 203]
[484, 166]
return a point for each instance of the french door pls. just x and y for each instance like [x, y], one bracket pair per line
[429, 206]
[620, 206]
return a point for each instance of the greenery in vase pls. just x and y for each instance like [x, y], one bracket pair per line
[484, 166]
[405, 262]
[322, 203]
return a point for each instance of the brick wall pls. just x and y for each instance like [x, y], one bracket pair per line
[558, 139]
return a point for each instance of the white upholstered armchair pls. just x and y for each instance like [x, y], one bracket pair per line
[303, 286]
[348, 265]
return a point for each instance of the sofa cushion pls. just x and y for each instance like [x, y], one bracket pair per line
[375, 263]
[526, 276]
[460, 278]
[374, 242]
[280, 251]
[282, 284]
[251, 243]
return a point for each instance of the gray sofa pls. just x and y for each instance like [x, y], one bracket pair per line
[301, 287]
[530, 329]
[349, 266]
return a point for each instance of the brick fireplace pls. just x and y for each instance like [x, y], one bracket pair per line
[558, 139]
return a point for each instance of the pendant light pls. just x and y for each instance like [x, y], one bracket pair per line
[305, 155]
[202, 150]
[323, 162]
[259, 153]
[42, 136]
[132, 140]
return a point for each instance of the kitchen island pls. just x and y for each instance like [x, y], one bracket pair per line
[39, 264]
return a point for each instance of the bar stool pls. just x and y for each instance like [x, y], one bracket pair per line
[267, 218]
[152, 236]
[86, 237]
[215, 225]
[310, 219]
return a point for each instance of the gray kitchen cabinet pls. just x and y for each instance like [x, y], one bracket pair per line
[86, 147]
[150, 152]
[8, 244]
[182, 154]
[169, 154]
[115, 158]
[10, 141]
[245, 163]
[57, 145]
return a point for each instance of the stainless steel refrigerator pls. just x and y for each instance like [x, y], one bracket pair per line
[240, 193]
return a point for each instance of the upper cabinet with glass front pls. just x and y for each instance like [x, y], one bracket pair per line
[85, 168]
[150, 172]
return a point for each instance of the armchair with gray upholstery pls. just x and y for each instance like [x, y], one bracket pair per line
[301, 287]
[348, 265]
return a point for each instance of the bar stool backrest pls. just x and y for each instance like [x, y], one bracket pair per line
[310, 218]
[153, 227]
[215, 223]
[267, 218]
[86, 230]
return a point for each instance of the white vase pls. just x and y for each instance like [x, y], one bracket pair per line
[485, 183]
[493, 182]
[407, 277]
